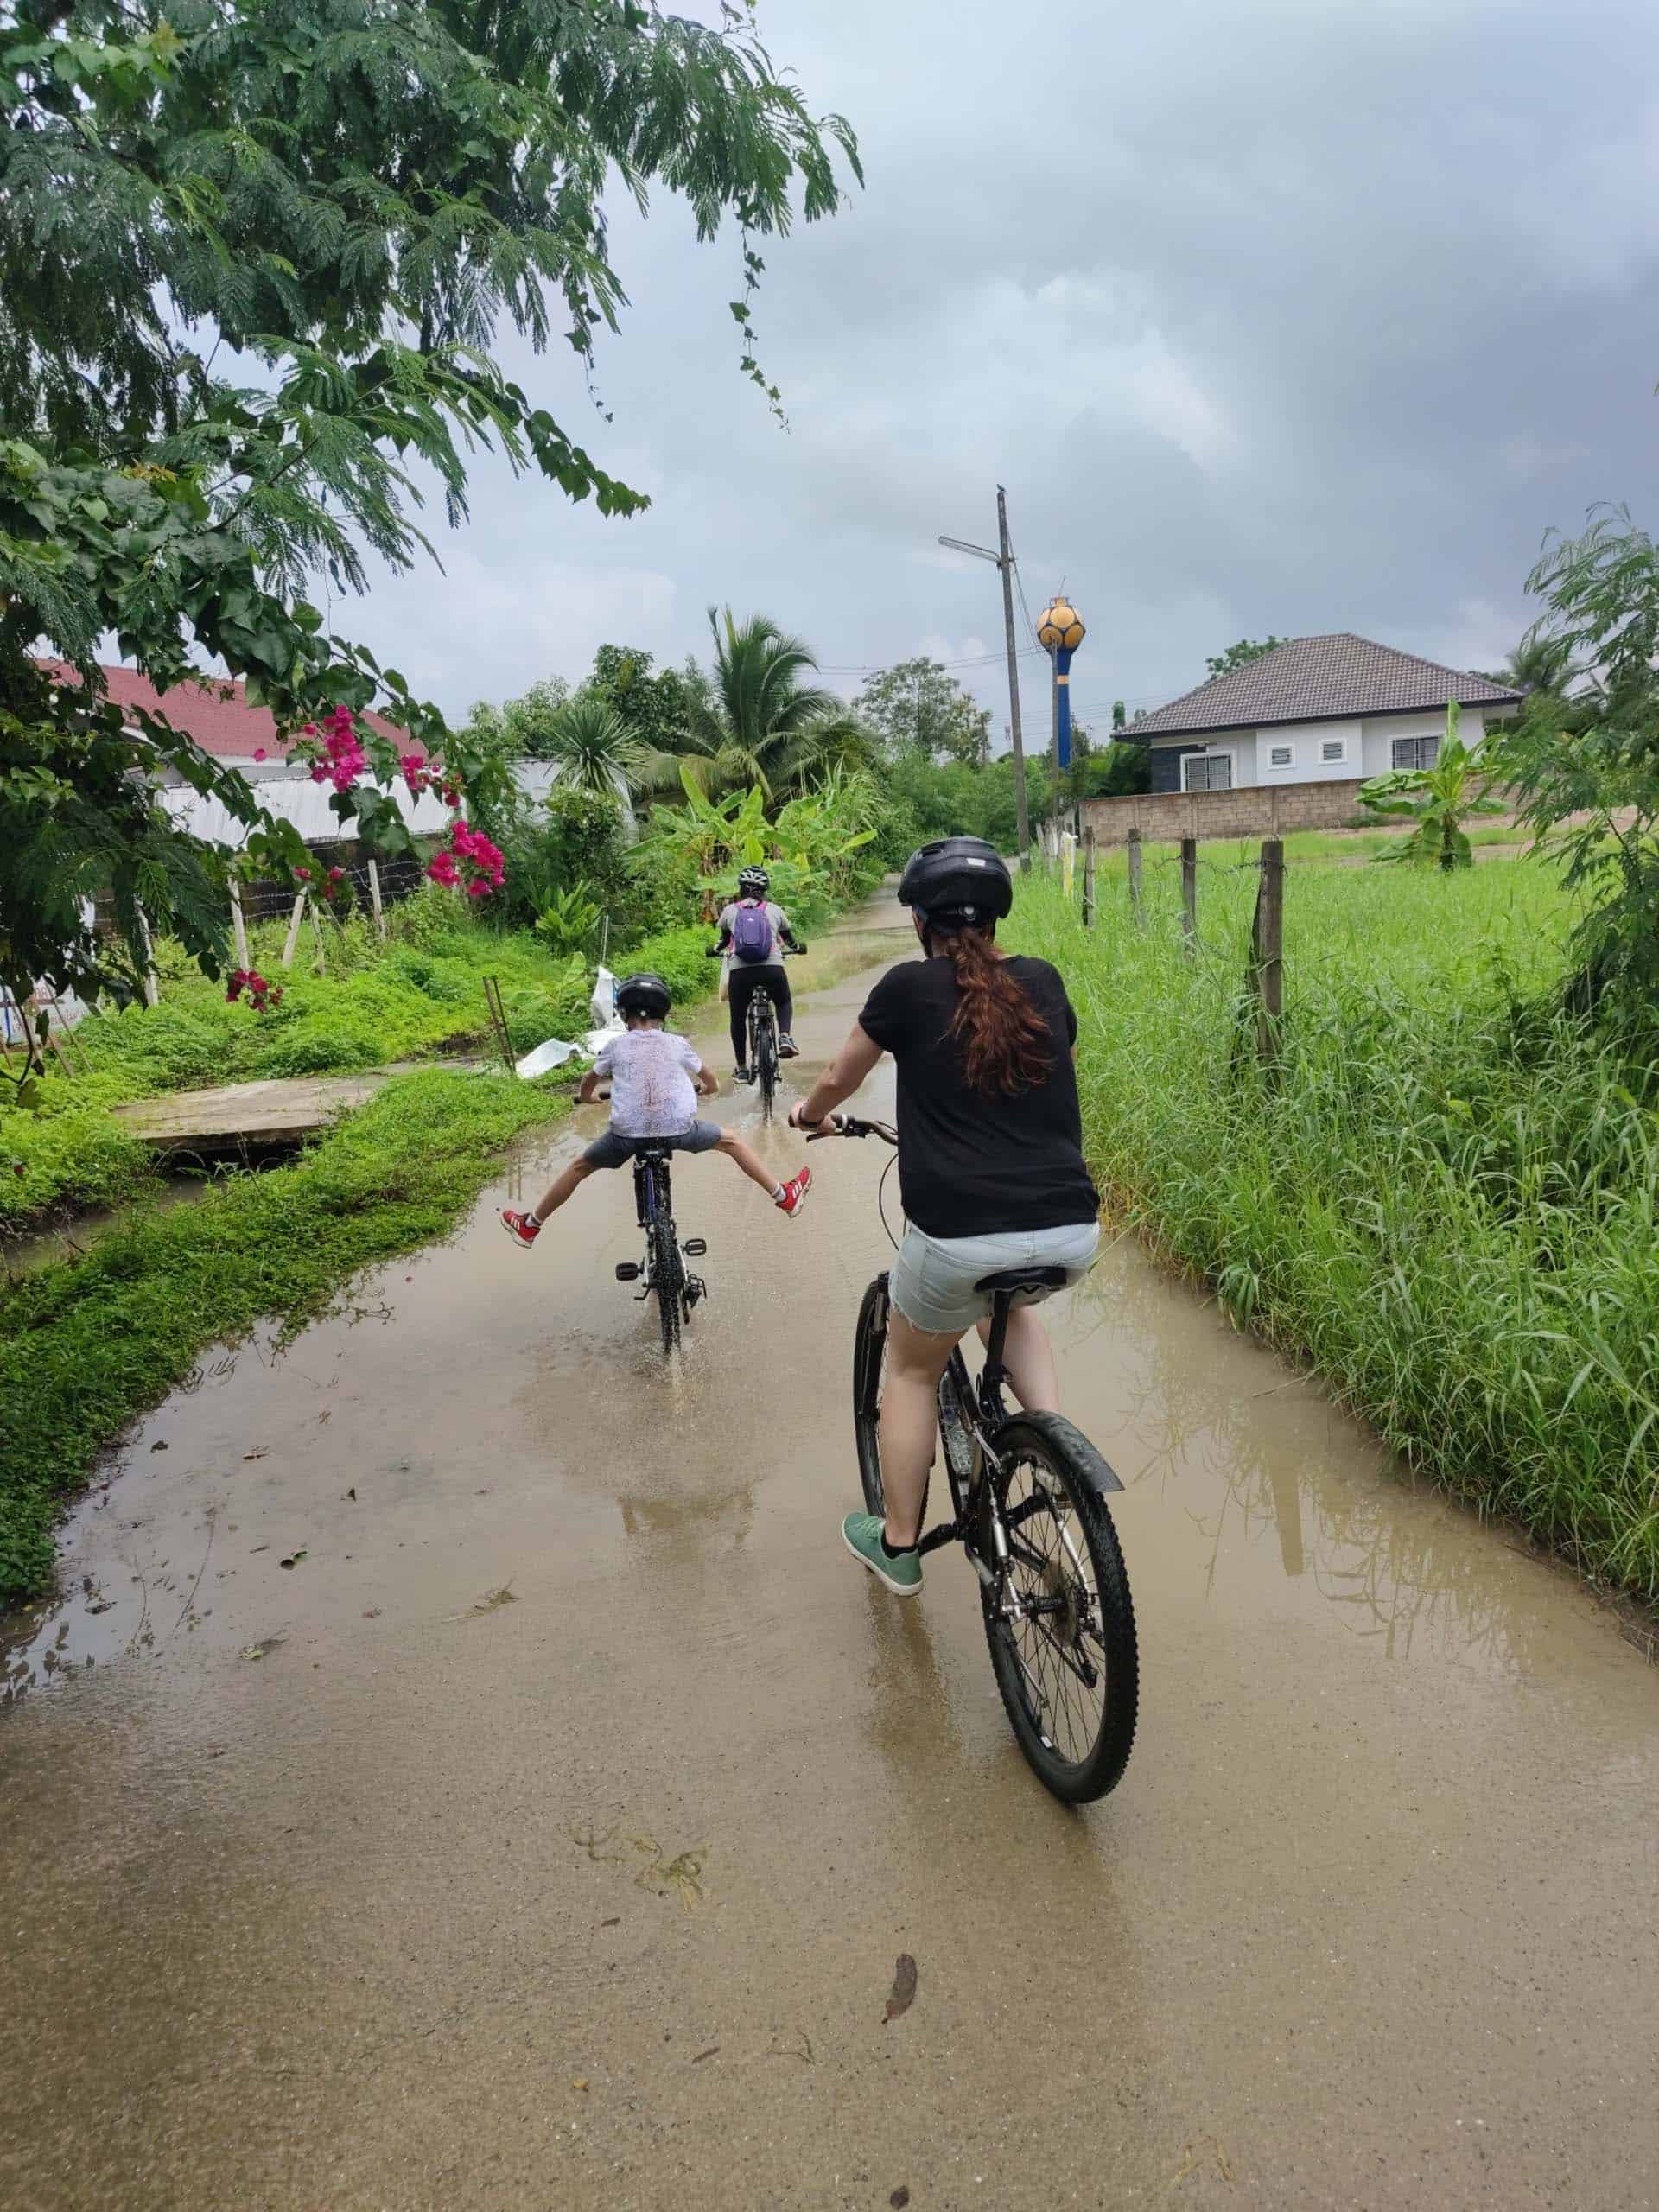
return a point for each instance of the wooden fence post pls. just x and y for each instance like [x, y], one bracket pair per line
[238, 926]
[374, 901]
[1189, 891]
[1269, 950]
[293, 921]
[1134, 874]
[1089, 878]
[322, 950]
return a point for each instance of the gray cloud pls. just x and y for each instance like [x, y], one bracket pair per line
[1305, 317]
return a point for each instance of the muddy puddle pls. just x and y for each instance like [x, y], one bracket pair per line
[466, 1770]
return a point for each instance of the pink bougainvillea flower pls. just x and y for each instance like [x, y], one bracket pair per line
[334, 874]
[258, 751]
[303, 875]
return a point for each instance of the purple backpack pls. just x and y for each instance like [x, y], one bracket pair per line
[752, 932]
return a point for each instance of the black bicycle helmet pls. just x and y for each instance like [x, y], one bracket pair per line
[754, 883]
[645, 994]
[961, 878]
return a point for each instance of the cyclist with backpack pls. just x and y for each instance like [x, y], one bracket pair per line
[752, 932]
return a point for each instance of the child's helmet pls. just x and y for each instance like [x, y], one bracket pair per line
[645, 994]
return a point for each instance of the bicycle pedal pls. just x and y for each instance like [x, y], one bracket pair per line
[696, 1290]
[627, 1271]
[694, 1246]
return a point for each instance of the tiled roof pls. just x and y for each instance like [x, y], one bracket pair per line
[214, 713]
[1321, 679]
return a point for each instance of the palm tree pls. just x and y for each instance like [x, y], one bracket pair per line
[761, 724]
[1539, 663]
[591, 748]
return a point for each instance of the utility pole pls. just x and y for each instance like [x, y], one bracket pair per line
[1003, 560]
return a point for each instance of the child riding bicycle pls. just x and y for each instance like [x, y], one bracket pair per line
[656, 1080]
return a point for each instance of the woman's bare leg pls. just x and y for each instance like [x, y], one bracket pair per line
[1029, 1357]
[910, 1424]
[751, 1162]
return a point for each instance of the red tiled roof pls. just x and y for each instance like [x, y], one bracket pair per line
[214, 712]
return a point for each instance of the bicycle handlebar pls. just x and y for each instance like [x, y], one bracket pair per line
[717, 951]
[846, 1125]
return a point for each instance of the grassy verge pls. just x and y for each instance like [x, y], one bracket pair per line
[1451, 1215]
[87, 1345]
[421, 994]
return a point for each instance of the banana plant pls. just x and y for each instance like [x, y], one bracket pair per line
[1439, 800]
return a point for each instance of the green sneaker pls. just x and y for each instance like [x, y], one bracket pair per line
[861, 1533]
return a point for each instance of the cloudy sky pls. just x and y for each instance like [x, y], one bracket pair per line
[1304, 315]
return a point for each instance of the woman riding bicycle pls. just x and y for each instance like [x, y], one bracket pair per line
[991, 1169]
[753, 930]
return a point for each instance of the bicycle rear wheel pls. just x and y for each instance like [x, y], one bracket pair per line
[1058, 1615]
[668, 1277]
[765, 1055]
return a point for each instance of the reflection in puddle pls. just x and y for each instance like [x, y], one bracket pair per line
[1265, 1467]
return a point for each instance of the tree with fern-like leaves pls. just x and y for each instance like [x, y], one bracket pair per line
[254, 260]
[760, 723]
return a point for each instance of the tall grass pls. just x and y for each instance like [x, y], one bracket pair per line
[1446, 1202]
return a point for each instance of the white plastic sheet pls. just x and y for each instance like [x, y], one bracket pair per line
[546, 1058]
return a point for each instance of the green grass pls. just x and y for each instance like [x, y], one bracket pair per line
[88, 1344]
[421, 995]
[1449, 1212]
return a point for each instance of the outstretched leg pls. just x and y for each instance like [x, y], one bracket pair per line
[791, 1196]
[524, 1228]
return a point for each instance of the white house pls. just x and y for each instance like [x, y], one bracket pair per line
[1329, 710]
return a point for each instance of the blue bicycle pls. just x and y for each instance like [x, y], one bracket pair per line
[664, 1267]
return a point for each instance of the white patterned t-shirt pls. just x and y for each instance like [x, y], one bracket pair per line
[651, 1092]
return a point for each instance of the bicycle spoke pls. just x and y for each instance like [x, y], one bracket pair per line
[1053, 1608]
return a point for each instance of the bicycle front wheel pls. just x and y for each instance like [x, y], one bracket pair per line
[765, 1059]
[869, 1378]
[1057, 1616]
[668, 1276]
[869, 1366]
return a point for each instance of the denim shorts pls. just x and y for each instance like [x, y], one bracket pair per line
[932, 1278]
[613, 1150]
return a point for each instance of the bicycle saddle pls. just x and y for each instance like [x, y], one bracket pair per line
[1019, 1278]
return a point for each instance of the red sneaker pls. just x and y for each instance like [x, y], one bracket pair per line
[520, 1227]
[794, 1193]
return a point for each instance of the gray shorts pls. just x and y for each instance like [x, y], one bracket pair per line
[613, 1150]
[932, 1278]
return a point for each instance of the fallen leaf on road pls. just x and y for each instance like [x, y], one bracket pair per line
[294, 1560]
[257, 1549]
[904, 1988]
[371, 1613]
[580, 2081]
[702, 2055]
[1192, 2158]
[490, 1602]
[102, 1606]
[351, 1494]
[259, 1455]
[323, 1417]
[615, 1922]
[258, 1650]
[160, 1445]
[899, 2198]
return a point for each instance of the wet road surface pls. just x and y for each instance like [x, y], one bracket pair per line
[546, 1835]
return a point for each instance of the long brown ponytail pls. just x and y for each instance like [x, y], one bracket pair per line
[1005, 1042]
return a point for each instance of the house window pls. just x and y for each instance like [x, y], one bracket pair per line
[1281, 756]
[1207, 772]
[1415, 752]
[1333, 749]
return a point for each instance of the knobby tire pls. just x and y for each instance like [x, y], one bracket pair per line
[1044, 1463]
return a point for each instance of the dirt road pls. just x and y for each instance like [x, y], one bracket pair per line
[546, 1835]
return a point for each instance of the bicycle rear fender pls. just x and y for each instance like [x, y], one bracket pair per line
[1090, 1463]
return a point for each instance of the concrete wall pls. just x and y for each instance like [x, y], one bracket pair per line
[1267, 810]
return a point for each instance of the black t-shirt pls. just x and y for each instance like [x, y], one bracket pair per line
[975, 1163]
